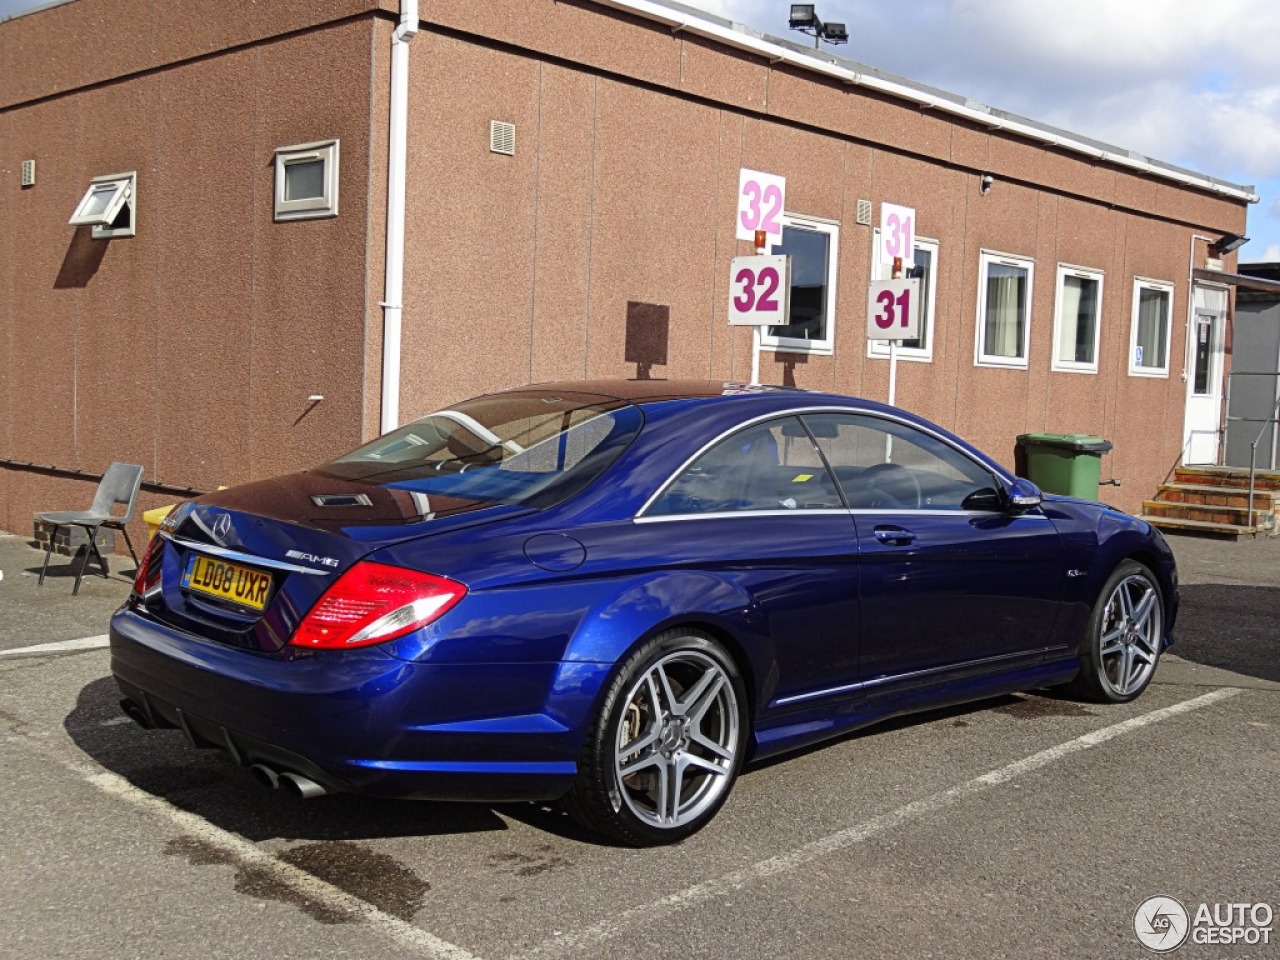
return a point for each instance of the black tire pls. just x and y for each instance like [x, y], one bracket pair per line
[1121, 649]
[656, 720]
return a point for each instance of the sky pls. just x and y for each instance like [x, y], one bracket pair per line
[1183, 81]
[1187, 82]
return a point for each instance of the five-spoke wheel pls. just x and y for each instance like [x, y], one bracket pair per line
[667, 745]
[1119, 656]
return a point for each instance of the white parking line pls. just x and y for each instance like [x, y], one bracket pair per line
[59, 646]
[786, 862]
[245, 853]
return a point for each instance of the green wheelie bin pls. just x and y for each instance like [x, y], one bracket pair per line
[1065, 463]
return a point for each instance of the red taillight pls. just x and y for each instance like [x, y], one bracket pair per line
[374, 603]
[143, 579]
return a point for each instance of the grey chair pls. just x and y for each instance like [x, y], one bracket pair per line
[119, 485]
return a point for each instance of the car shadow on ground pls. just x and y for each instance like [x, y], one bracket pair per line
[1231, 627]
[208, 783]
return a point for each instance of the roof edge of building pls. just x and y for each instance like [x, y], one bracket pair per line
[36, 9]
[680, 17]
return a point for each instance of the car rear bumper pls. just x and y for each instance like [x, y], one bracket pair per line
[361, 721]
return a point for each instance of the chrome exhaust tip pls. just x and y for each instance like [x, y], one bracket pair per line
[300, 787]
[136, 714]
[265, 776]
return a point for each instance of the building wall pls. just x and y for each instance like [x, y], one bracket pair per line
[193, 346]
[1255, 390]
[623, 192]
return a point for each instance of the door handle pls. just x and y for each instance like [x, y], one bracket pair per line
[895, 536]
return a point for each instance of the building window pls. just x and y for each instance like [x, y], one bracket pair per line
[926, 256]
[307, 181]
[1076, 320]
[813, 247]
[1149, 337]
[1004, 310]
[109, 206]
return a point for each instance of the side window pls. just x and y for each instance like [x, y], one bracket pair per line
[813, 246]
[1004, 309]
[769, 466]
[926, 257]
[887, 465]
[1149, 330]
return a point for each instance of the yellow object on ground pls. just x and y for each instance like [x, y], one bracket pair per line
[153, 519]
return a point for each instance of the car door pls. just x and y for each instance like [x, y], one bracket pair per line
[761, 508]
[949, 581]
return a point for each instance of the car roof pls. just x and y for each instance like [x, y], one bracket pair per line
[655, 391]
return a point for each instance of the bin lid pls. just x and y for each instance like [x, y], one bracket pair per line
[1080, 442]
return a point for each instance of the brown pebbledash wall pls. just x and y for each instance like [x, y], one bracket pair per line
[193, 347]
[623, 191]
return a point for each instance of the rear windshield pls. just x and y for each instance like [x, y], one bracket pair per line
[533, 448]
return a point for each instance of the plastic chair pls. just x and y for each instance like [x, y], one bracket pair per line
[119, 485]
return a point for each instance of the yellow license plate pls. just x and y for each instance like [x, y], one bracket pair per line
[227, 581]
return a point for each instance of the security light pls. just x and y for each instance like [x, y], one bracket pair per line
[803, 17]
[1228, 242]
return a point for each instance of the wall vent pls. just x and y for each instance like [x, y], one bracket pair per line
[502, 138]
[28, 173]
[864, 212]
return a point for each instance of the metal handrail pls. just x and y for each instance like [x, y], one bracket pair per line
[1253, 454]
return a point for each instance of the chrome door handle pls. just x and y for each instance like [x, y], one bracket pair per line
[895, 536]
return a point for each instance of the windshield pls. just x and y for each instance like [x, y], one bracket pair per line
[534, 448]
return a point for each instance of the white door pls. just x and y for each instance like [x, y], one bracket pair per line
[1204, 382]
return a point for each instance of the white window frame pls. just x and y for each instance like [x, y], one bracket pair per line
[928, 314]
[308, 208]
[1085, 273]
[985, 259]
[825, 346]
[123, 192]
[1140, 283]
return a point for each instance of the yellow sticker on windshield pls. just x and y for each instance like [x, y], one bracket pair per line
[801, 478]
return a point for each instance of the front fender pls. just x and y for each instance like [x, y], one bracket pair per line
[1097, 539]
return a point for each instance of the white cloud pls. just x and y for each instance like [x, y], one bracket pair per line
[1182, 81]
[1272, 254]
[1179, 80]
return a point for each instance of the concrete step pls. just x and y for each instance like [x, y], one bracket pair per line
[1222, 531]
[1212, 513]
[1233, 477]
[1217, 496]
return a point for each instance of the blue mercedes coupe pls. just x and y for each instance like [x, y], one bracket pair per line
[616, 593]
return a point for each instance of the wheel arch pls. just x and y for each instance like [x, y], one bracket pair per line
[724, 611]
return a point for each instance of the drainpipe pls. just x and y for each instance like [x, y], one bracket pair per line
[1191, 306]
[397, 161]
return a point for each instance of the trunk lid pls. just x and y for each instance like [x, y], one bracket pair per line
[246, 564]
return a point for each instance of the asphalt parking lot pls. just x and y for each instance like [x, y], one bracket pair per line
[1026, 826]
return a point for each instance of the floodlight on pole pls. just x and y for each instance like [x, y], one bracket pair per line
[804, 17]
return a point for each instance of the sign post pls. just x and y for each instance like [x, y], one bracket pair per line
[760, 286]
[759, 296]
[893, 314]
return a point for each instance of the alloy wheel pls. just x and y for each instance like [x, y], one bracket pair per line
[1129, 642]
[676, 740]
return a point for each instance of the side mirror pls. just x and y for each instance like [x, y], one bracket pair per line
[988, 499]
[1023, 495]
